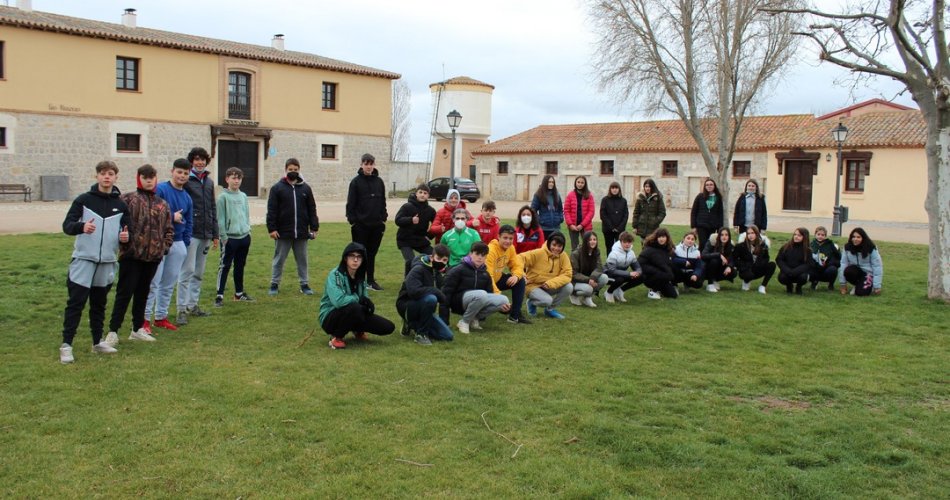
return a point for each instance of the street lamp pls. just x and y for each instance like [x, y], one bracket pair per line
[455, 118]
[839, 134]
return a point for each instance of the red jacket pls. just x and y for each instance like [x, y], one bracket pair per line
[524, 241]
[443, 220]
[587, 211]
[487, 230]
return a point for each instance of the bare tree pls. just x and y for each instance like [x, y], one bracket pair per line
[704, 61]
[904, 40]
[402, 105]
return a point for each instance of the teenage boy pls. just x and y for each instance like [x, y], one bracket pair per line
[366, 213]
[345, 307]
[470, 291]
[234, 226]
[487, 224]
[413, 219]
[99, 220]
[419, 296]
[549, 272]
[502, 255]
[460, 238]
[163, 284]
[140, 257]
[200, 187]
[292, 222]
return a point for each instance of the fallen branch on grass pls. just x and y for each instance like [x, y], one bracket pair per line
[305, 339]
[519, 445]
[410, 462]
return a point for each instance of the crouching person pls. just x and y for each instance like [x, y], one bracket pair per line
[345, 306]
[420, 295]
[470, 291]
[548, 272]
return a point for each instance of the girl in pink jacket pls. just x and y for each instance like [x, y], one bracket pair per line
[579, 210]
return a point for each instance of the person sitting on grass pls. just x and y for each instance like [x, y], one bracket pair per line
[622, 268]
[589, 277]
[548, 273]
[718, 260]
[656, 261]
[688, 266]
[501, 256]
[470, 291]
[420, 294]
[345, 306]
[826, 259]
[794, 261]
[752, 259]
[445, 216]
[460, 238]
[234, 227]
[861, 265]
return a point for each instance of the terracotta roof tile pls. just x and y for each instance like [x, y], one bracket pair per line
[463, 80]
[97, 29]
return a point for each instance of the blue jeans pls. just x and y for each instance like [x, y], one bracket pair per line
[420, 314]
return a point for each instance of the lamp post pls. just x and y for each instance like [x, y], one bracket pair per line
[839, 134]
[455, 118]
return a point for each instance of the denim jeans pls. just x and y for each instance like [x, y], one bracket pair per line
[421, 316]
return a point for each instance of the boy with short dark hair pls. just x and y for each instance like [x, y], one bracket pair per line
[502, 255]
[487, 224]
[200, 186]
[421, 294]
[234, 227]
[99, 220]
[470, 291]
[413, 220]
[140, 257]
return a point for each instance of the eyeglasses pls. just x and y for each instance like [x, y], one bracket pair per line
[355, 256]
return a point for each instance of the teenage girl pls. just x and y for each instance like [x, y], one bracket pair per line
[613, 215]
[649, 210]
[751, 209]
[752, 259]
[688, 264]
[548, 205]
[826, 259]
[528, 234]
[861, 265]
[589, 275]
[718, 257]
[794, 261]
[656, 261]
[579, 210]
[706, 215]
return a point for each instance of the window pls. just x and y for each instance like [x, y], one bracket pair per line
[1, 59]
[128, 142]
[328, 151]
[854, 175]
[670, 168]
[606, 167]
[329, 95]
[550, 167]
[239, 95]
[742, 168]
[126, 73]
[3, 137]
[502, 168]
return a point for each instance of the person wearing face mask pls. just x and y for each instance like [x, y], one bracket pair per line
[420, 295]
[443, 218]
[528, 233]
[460, 238]
[750, 209]
[292, 222]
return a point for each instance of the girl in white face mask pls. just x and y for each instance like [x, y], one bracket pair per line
[460, 238]
[528, 233]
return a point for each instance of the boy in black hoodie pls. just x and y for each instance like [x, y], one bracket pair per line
[421, 293]
[413, 219]
[366, 213]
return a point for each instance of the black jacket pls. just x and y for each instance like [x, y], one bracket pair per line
[422, 280]
[792, 261]
[205, 210]
[366, 200]
[291, 210]
[761, 219]
[656, 262]
[463, 278]
[409, 234]
[613, 214]
[710, 252]
[745, 261]
[700, 216]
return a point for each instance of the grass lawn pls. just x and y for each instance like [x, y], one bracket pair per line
[721, 395]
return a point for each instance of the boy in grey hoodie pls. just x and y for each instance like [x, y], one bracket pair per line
[622, 268]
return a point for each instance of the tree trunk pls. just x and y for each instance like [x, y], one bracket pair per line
[938, 207]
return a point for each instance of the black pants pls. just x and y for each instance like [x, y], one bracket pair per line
[78, 295]
[409, 253]
[517, 294]
[824, 274]
[704, 233]
[790, 280]
[661, 283]
[862, 281]
[624, 283]
[765, 272]
[353, 318]
[370, 237]
[715, 270]
[610, 238]
[235, 250]
[135, 278]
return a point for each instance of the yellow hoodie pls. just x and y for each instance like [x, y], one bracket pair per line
[498, 259]
[542, 267]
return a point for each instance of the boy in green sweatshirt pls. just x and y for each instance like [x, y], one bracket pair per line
[234, 226]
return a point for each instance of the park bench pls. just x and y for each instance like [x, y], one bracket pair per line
[23, 189]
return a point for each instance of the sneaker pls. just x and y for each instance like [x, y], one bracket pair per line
[181, 319]
[745, 286]
[142, 335]
[164, 323]
[618, 294]
[463, 327]
[373, 285]
[306, 290]
[553, 313]
[198, 312]
[476, 325]
[406, 331]
[243, 297]
[520, 320]
[611, 297]
[219, 301]
[273, 290]
[711, 288]
[361, 336]
[653, 295]
[336, 343]
[589, 302]
[762, 289]
[716, 283]
[532, 309]
[575, 300]
[112, 339]
[66, 354]
[147, 326]
[422, 340]
[103, 348]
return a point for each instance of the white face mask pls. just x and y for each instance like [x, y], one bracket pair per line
[459, 224]
[526, 219]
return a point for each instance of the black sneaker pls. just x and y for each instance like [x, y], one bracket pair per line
[520, 320]
[423, 340]
[306, 290]
[219, 301]
[373, 285]
[197, 312]
[273, 290]
[242, 297]
[406, 331]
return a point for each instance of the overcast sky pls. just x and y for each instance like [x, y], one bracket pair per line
[535, 52]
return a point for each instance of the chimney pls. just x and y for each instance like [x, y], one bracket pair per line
[128, 19]
[278, 41]
[25, 5]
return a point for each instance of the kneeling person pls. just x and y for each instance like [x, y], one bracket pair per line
[345, 306]
[470, 292]
[548, 272]
[420, 294]
[502, 255]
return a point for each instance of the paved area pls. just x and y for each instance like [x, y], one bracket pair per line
[47, 217]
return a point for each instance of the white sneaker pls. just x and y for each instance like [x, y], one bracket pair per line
[103, 348]
[66, 354]
[141, 334]
[112, 339]
[653, 295]
[711, 288]
[716, 283]
[475, 325]
[618, 294]
[463, 327]
[745, 286]
[610, 297]
[589, 302]
[762, 289]
[575, 300]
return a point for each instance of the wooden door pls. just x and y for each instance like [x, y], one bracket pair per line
[243, 155]
[798, 184]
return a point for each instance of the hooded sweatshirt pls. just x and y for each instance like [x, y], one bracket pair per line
[443, 218]
[151, 222]
[543, 267]
[340, 290]
[109, 213]
[366, 200]
[620, 262]
[409, 234]
[422, 280]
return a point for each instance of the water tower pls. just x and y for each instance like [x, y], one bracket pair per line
[472, 99]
